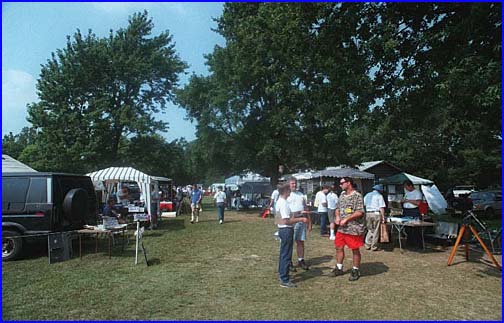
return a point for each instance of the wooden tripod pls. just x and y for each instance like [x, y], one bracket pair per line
[464, 231]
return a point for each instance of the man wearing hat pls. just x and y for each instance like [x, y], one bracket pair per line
[375, 214]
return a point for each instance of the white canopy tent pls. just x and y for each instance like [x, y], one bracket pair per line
[113, 175]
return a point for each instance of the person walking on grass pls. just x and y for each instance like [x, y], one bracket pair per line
[297, 204]
[321, 199]
[285, 222]
[375, 214]
[220, 202]
[349, 214]
[196, 196]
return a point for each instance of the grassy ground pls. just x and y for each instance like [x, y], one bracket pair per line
[208, 271]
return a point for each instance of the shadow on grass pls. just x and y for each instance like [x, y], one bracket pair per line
[173, 224]
[373, 268]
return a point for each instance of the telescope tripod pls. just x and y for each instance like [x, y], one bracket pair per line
[464, 231]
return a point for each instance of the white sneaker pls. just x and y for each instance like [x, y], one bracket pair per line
[220, 221]
[332, 238]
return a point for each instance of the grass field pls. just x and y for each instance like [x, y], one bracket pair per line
[208, 271]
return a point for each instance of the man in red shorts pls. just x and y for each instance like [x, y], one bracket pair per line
[349, 218]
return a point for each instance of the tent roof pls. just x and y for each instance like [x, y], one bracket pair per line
[401, 177]
[370, 164]
[256, 187]
[119, 174]
[343, 172]
[161, 179]
[11, 165]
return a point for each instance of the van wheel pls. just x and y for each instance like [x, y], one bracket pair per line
[489, 213]
[75, 204]
[11, 245]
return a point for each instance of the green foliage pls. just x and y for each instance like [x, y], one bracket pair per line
[96, 92]
[318, 84]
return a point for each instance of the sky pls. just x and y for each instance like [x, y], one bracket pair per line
[32, 31]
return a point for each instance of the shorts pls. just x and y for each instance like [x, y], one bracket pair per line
[196, 206]
[353, 242]
[300, 231]
[331, 213]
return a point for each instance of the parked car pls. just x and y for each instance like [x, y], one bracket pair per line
[36, 204]
[463, 190]
[488, 203]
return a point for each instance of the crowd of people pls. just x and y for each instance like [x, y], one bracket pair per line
[354, 221]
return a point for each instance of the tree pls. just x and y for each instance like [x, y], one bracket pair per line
[96, 92]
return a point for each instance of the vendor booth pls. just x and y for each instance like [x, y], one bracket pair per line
[111, 179]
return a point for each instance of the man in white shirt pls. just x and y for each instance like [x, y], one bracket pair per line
[285, 222]
[322, 209]
[220, 202]
[332, 201]
[273, 200]
[375, 214]
[297, 204]
[411, 200]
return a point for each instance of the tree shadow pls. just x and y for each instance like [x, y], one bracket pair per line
[174, 224]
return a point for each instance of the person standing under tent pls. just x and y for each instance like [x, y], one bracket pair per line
[332, 200]
[375, 214]
[349, 213]
[196, 196]
[412, 198]
[321, 198]
[285, 223]
[220, 202]
[154, 207]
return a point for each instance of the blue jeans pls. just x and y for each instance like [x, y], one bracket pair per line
[286, 236]
[324, 221]
[220, 211]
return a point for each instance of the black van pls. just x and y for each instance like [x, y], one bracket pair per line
[34, 204]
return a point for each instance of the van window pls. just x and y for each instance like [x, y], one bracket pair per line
[14, 193]
[38, 191]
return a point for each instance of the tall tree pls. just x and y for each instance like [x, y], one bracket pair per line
[97, 91]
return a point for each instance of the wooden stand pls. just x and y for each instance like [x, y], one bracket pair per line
[463, 231]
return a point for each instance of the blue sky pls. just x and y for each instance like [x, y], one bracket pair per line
[32, 31]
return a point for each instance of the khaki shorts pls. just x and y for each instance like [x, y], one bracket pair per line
[331, 213]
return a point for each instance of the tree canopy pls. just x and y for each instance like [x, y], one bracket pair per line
[318, 84]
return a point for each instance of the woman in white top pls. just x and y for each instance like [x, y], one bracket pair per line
[220, 201]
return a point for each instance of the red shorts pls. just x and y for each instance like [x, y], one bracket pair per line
[353, 242]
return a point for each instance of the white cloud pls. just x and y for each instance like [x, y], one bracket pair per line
[18, 89]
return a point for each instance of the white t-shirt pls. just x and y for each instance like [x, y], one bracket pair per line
[322, 198]
[220, 197]
[332, 200]
[413, 195]
[373, 201]
[296, 201]
[282, 208]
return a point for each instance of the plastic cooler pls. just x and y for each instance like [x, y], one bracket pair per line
[166, 206]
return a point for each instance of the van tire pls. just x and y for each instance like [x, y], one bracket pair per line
[75, 204]
[12, 245]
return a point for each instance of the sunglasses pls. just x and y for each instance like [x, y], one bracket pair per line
[341, 183]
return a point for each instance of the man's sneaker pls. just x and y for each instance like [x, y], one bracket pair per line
[336, 272]
[192, 222]
[287, 285]
[354, 275]
[220, 221]
[375, 249]
[333, 237]
[367, 247]
[303, 265]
